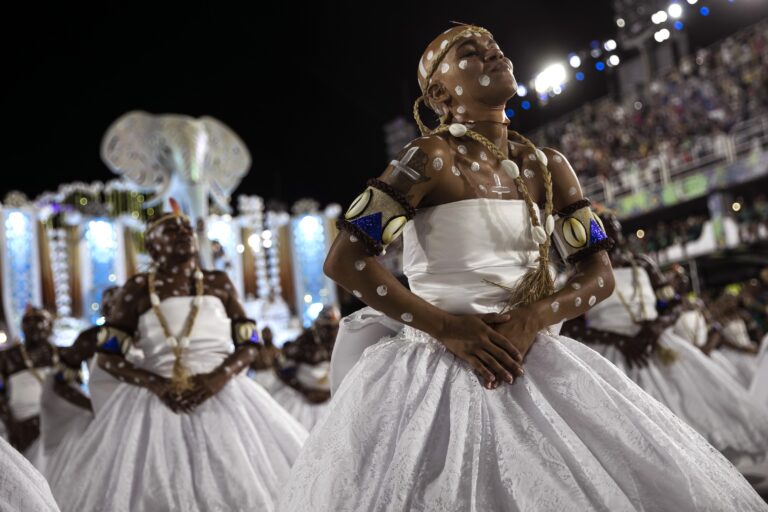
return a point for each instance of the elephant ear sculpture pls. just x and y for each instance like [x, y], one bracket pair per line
[175, 154]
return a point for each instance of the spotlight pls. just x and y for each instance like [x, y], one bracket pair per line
[692, 1]
[675, 10]
[659, 17]
[613, 60]
[704, 11]
[521, 90]
[552, 76]
[620, 23]
[609, 45]
[574, 61]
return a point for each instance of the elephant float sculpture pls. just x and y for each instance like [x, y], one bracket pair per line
[170, 155]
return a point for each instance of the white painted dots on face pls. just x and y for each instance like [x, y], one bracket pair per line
[462, 149]
[437, 164]
[461, 109]
[382, 290]
[360, 265]
[485, 80]
[475, 166]
[600, 281]
[357, 294]
[592, 300]
[483, 156]
[455, 171]
[459, 90]
[463, 64]
[444, 67]
[555, 306]
[407, 317]
[577, 302]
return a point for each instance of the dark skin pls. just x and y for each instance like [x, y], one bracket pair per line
[493, 344]
[37, 325]
[639, 348]
[307, 349]
[725, 309]
[172, 246]
[267, 352]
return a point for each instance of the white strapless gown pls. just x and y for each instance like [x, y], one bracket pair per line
[22, 487]
[411, 428]
[744, 362]
[233, 453]
[24, 401]
[697, 389]
[307, 413]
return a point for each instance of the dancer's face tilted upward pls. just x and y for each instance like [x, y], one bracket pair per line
[172, 241]
[473, 75]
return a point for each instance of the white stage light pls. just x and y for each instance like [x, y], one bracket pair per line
[552, 76]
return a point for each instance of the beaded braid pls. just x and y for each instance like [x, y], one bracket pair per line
[536, 283]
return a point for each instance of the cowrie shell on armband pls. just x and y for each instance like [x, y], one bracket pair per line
[511, 168]
[457, 130]
[541, 156]
[539, 235]
[172, 342]
[550, 224]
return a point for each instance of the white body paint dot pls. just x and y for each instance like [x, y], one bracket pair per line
[462, 64]
[485, 80]
[483, 156]
[462, 149]
[445, 67]
[437, 164]
[555, 306]
[528, 173]
[455, 170]
[532, 156]
[459, 90]
[557, 158]
[407, 317]
[461, 109]
[475, 166]
[352, 238]
[443, 44]
[430, 55]
[592, 300]
[381, 290]
[577, 302]
[576, 286]
[600, 281]
[360, 264]
[357, 293]
[572, 191]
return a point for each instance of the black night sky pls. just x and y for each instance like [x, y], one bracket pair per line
[307, 88]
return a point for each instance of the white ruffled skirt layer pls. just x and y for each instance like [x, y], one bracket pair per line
[703, 394]
[306, 413]
[233, 453]
[22, 487]
[410, 428]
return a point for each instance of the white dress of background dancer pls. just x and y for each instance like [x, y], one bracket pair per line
[735, 332]
[694, 387]
[22, 487]
[311, 377]
[235, 448]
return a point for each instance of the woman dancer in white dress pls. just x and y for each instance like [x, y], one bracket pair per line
[22, 487]
[23, 369]
[410, 427]
[735, 345]
[303, 388]
[627, 330]
[184, 430]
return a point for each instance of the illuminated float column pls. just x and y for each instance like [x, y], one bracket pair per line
[20, 261]
[311, 238]
[251, 210]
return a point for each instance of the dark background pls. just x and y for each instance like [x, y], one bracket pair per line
[307, 88]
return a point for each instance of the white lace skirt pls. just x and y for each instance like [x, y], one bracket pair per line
[22, 487]
[233, 453]
[306, 413]
[411, 428]
[702, 393]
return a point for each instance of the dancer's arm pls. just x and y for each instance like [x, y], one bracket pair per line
[592, 277]
[352, 264]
